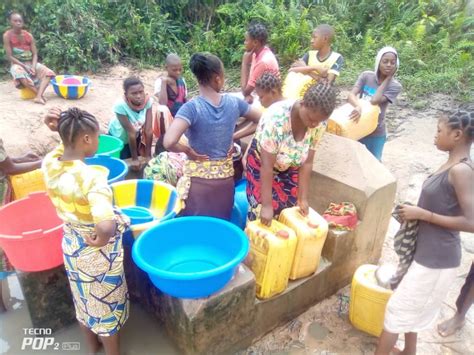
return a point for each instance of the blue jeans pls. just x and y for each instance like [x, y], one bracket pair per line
[375, 145]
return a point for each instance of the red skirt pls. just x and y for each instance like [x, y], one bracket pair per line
[284, 186]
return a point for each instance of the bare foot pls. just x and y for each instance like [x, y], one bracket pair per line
[397, 351]
[44, 98]
[39, 100]
[451, 326]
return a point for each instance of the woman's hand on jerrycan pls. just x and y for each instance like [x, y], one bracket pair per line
[266, 215]
[304, 207]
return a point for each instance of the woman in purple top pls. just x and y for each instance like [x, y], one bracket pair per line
[445, 207]
[207, 186]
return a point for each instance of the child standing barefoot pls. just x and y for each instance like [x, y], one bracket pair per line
[445, 207]
[92, 243]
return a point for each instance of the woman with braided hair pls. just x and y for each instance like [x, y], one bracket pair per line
[268, 90]
[281, 154]
[445, 208]
[92, 243]
[257, 59]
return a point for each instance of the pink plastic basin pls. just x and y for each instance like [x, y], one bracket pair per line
[31, 233]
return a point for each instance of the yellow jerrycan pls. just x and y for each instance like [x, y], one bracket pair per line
[340, 124]
[368, 301]
[272, 250]
[26, 183]
[295, 85]
[311, 232]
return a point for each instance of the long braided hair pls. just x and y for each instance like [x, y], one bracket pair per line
[73, 122]
[321, 96]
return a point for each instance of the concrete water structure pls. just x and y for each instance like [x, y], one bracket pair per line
[233, 318]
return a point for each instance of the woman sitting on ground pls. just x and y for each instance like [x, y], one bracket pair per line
[20, 49]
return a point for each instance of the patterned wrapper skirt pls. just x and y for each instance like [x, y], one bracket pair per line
[97, 279]
[284, 186]
[207, 188]
[19, 72]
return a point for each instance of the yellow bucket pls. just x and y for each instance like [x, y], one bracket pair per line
[24, 184]
[368, 301]
[27, 94]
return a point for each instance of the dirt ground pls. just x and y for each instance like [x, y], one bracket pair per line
[409, 154]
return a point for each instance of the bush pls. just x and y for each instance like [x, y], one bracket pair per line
[435, 38]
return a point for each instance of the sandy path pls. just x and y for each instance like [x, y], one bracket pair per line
[21, 126]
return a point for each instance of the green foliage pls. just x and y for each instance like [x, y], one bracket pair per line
[435, 38]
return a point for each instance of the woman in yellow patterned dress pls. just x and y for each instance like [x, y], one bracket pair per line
[92, 243]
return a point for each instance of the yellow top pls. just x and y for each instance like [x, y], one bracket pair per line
[79, 192]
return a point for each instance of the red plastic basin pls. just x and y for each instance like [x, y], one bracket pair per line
[31, 233]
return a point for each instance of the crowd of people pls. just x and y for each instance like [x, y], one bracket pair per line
[190, 143]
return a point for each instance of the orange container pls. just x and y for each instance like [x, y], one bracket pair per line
[24, 184]
[311, 232]
[31, 233]
[272, 250]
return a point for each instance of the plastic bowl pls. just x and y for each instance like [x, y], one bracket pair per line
[191, 257]
[241, 204]
[109, 145]
[118, 169]
[138, 214]
[70, 86]
[159, 198]
[31, 233]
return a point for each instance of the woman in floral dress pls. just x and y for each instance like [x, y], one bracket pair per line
[281, 154]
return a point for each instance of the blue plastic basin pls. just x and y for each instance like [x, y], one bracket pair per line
[191, 257]
[118, 169]
[241, 204]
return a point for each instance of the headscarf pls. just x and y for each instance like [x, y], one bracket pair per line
[380, 54]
